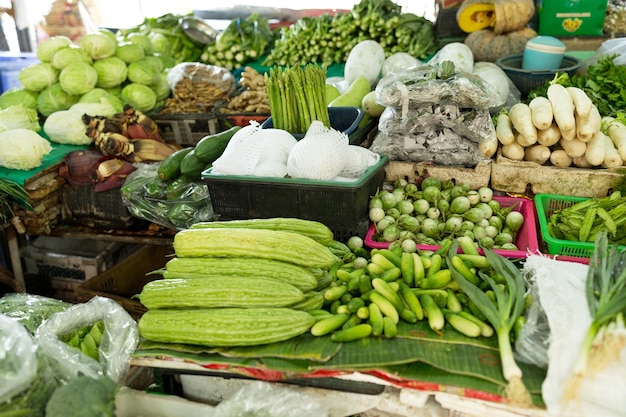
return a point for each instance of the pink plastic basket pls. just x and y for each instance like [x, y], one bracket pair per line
[527, 240]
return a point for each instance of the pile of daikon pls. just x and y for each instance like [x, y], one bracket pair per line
[563, 128]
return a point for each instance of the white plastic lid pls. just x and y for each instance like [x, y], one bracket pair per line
[547, 44]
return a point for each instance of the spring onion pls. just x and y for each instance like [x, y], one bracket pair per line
[502, 315]
[605, 289]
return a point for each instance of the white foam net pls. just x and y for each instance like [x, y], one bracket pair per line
[358, 160]
[242, 153]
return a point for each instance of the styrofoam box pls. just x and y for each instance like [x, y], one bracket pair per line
[78, 259]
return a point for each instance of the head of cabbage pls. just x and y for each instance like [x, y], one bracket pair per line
[143, 72]
[98, 45]
[129, 52]
[47, 48]
[38, 76]
[67, 127]
[140, 96]
[19, 95]
[112, 72]
[141, 40]
[78, 78]
[19, 117]
[65, 56]
[22, 149]
[54, 98]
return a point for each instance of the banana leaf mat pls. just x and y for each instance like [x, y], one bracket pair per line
[416, 358]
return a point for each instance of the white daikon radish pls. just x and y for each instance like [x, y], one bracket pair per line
[541, 112]
[596, 149]
[582, 102]
[513, 151]
[489, 145]
[563, 110]
[504, 129]
[611, 158]
[521, 118]
[586, 127]
[617, 132]
[549, 136]
[537, 153]
[574, 147]
[559, 158]
[581, 162]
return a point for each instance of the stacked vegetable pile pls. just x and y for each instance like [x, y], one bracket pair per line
[434, 212]
[327, 39]
[299, 282]
[564, 128]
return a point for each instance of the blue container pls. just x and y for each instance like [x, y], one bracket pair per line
[543, 53]
[11, 64]
[343, 119]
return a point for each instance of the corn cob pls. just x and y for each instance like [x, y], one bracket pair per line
[224, 326]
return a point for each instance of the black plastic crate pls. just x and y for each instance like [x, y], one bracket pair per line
[81, 205]
[342, 206]
[185, 129]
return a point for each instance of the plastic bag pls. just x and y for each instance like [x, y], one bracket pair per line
[264, 399]
[26, 379]
[432, 119]
[119, 340]
[197, 87]
[175, 204]
[610, 47]
[30, 310]
[18, 358]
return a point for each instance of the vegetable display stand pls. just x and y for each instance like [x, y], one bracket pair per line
[547, 204]
[340, 205]
[527, 240]
[125, 279]
[523, 176]
[185, 129]
[476, 177]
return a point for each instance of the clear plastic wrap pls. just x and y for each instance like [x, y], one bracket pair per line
[429, 118]
[18, 358]
[119, 340]
[260, 399]
[30, 310]
[175, 204]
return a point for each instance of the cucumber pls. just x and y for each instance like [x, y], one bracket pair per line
[210, 147]
[191, 166]
[170, 166]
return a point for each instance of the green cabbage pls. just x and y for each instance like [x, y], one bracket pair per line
[48, 47]
[101, 108]
[141, 40]
[166, 58]
[140, 96]
[53, 99]
[22, 149]
[162, 87]
[98, 45]
[130, 52]
[143, 72]
[18, 95]
[112, 72]
[160, 43]
[154, 61]
[78, 78]
[100, 95]
[65, 56]
[38, 76]
[18, 116]
[67, 127]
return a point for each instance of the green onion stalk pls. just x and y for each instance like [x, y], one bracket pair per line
[502, 314]
[605, 289]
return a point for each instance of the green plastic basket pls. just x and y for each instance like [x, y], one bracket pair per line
[546, 205]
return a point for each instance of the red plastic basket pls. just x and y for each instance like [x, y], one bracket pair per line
[527, 240]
